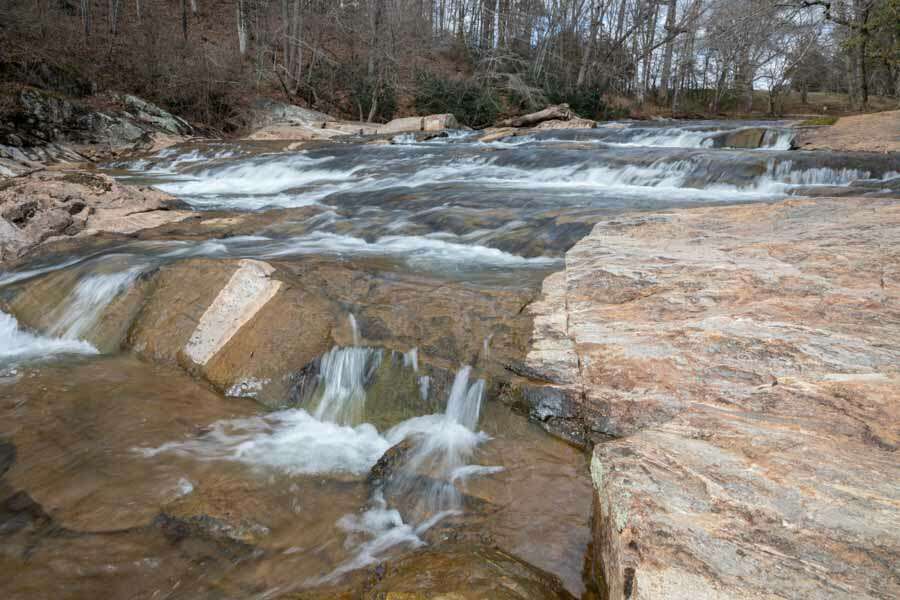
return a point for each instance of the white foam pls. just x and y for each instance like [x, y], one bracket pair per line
[375, 532]
[344, 372]
[260, 177]
[467, 471]
[291, 441]
[18, 344]
[84, 306]
[674, 137]
[414, 250]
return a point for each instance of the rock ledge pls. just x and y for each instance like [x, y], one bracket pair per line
[743, 366]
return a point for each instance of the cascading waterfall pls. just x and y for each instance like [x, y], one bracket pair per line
[442, 447]
[84, 306]
[71, 320]
[297, 443]
[18, 344]
[343, 374]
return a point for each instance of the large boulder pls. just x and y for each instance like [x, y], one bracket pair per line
[873, 132]
[748, 138]
[267, 112]
[738, 369]
[42, 126]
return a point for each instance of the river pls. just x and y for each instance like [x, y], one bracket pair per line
[406, 267]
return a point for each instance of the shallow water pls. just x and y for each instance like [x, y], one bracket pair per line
[132, 479]
[82, 427]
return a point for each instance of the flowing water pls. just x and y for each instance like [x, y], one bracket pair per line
[130, 478]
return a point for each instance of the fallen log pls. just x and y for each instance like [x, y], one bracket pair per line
[558, 111]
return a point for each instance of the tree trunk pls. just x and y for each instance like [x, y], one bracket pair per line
[297, 44]
[589, 48]
[863, 51]
[114, 17]
[184, 20]
[86, 17]
[558, 111]
[667, 54]
[241, 28]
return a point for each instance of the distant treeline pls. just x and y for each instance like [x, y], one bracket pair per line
[374, 59]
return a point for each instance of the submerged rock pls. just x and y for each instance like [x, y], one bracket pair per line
[464, 572]
[745, 360]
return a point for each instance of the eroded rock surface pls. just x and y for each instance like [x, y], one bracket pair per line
[48, 204]
[743, 366]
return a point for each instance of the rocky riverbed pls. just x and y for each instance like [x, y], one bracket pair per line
[640, 360]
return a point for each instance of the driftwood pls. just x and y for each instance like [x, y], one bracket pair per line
[558, 111]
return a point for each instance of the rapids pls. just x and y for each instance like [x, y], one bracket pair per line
[143, 481]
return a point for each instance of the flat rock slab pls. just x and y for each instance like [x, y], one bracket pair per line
[739, 368]
[248, 290]
[875, 132]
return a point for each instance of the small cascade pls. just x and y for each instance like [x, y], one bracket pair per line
[425, 484]
[404, 139]
[82, 309]
[464, 405]
[354, 328]
[411, 359]
[420, 493]
[673, 137]
[18, 344]
[343, 376]
[777, 139]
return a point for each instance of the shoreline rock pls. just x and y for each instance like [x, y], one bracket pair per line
[44, 127]
[738, 367]
[48, 205]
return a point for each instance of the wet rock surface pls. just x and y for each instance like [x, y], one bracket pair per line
[466, 572]
[742, 364]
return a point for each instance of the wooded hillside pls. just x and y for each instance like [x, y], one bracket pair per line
[479, 59]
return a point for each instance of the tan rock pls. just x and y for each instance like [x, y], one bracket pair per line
[449, 572]
[743, 364]
[47, 204]
[439, 122]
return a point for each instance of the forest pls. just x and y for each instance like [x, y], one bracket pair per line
[371, 60]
